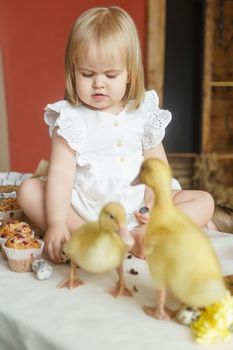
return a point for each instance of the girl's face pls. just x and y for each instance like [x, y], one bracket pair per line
[99, 85]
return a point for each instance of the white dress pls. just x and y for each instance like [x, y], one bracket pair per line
[109, 152]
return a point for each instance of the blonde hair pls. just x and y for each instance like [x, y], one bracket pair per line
[112, 30]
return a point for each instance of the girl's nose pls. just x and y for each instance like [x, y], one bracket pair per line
[98, 81]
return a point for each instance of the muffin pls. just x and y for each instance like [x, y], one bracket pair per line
[7, 229]
[20, 250]
[22, 241]
[7, 204]
[9, 208]
[23, 228]
[14, 226]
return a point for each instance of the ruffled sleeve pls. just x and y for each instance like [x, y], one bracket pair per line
[65, 116]
[156, 120]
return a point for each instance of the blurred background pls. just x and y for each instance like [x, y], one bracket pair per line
[187, 48]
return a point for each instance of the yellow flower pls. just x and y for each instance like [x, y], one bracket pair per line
[214, 322]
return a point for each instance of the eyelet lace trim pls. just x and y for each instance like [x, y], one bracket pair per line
[64, 116]
[156, 121]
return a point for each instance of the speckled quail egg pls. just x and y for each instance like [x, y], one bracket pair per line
[187, 315]
[42, 269]
[44, 272]
[38, 263]
[64, 257]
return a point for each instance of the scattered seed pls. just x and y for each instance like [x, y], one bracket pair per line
[135, 289]
[133, 272]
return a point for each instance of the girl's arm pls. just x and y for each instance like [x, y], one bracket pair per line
[59, 186]
[156, 152]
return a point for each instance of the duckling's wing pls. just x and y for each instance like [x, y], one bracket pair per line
[194, 273]
[101, 255]
[84, 236]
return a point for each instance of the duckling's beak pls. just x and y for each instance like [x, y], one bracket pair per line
[125, 235]
[136, 181]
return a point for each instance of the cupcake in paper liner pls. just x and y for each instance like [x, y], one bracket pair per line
[13, 227]
[21, 250]
[3, 241]
[9, 208]
[7, 227]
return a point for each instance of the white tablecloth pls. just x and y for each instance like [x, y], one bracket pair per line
[35, 315]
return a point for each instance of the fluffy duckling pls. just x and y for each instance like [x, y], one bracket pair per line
[100, 246]
[179, 255]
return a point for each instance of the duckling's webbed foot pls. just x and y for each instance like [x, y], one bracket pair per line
[68, 283]
[161, 312]
[156, 312]
[73, 281]
[119, 290]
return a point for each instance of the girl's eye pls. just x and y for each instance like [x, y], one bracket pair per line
[87, 75]
[111, 76]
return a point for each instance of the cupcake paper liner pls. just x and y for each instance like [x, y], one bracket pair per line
[21, 254]
[20, 265]
[19, 260]
[3, 241]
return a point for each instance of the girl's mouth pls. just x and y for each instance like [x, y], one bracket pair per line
[98, 97]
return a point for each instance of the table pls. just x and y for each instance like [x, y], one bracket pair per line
[35, 315]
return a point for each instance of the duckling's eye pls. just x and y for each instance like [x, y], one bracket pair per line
[111, 216]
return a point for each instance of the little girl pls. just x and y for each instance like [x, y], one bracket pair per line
[101, 133]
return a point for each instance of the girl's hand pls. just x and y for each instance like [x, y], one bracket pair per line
[142, 215]
[56, 235]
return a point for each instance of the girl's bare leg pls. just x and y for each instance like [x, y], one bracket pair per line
[198, 205]
[138, 248]
[30, 197]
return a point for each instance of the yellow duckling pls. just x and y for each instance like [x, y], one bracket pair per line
[179, 255]
[100, 246]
